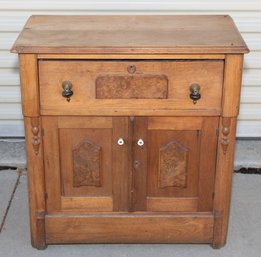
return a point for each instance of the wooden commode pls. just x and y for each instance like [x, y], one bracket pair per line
[130, 127]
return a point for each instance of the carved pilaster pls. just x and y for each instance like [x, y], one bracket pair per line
[36, 181]
[223, 179]
[225, 134]
[35, 137]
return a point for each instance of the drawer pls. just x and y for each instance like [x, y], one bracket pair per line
[130, 87]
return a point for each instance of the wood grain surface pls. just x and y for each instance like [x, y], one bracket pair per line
[130, 34]
[83, 76]
[36, 184]
[29, 85]
[131, 78]
[127, 228]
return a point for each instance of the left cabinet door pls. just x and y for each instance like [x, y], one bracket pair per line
[82, 173]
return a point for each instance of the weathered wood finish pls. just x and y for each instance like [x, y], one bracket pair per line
[36, 184]
[223, 183]
[86, 204]
[97, 169]
[127, 228]
[51, 159]
[147, 56]
[140, 164]
[207, 162]
[147, 174]
[84, 75]
[131, 81]
[172, 204]
[29, 85]
[226, 144]
[232, 85]
[122, 161]
[112, 189]
[130, 34]
[190, 166]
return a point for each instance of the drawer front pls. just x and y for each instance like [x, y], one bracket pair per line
[130, 87]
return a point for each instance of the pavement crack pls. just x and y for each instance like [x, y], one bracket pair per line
[8, 168]
[249, 171]
[10, 200]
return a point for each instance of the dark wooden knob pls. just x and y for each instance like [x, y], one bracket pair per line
[67, 89]
[195, 92]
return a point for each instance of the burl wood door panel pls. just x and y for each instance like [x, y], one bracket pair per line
[174, 169]
[81, 168]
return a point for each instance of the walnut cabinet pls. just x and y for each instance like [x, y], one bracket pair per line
[130, 128]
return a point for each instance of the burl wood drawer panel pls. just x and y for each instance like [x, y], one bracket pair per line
[129, 87]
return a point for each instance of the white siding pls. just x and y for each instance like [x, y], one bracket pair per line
[14, 13]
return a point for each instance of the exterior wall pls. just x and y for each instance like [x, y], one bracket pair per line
[14, 13]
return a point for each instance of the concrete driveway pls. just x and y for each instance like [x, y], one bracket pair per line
[244, 238]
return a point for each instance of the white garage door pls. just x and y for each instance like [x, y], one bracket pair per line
[14, 13]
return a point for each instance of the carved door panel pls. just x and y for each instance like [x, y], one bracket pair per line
[164, 163]
[82, 170]
[174, 169]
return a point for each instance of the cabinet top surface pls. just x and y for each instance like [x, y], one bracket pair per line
[130, 34]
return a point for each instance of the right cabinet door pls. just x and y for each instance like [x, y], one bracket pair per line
[174, 161]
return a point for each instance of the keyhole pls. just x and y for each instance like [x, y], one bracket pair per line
[136, 164]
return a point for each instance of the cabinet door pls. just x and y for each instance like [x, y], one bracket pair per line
[174, 169]
[85, 168]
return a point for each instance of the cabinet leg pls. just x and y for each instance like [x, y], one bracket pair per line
[39, 246]
[218, 246]
[37, 226]
[219, 239]
[39, 243]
